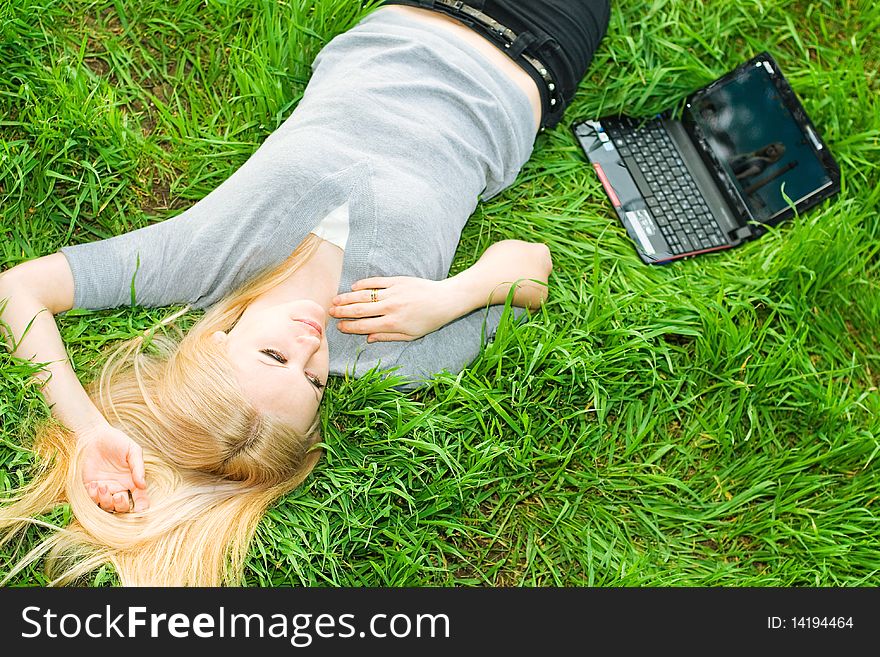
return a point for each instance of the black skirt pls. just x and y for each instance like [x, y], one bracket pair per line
[559, 35]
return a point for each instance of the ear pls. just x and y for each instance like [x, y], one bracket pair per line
[219, 337]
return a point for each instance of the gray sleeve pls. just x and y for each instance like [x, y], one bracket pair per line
[452, 347]
[105, 271]
[197, 257]
[194, 257]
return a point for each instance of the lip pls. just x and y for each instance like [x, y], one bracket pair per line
[311, 324]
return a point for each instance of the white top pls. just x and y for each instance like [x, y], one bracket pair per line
[334, 227]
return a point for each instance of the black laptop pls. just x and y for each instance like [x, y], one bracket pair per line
[738, 156]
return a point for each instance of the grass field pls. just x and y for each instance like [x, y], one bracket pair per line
[711, 422]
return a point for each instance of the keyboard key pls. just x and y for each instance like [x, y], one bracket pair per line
[637, 176]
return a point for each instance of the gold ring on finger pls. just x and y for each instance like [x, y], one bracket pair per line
[374, 294]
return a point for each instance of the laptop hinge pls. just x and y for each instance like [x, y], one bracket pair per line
[741, 233]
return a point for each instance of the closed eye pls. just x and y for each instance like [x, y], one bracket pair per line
[275, 355]
[278, 356]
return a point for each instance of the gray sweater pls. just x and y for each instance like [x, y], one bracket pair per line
[411, 127]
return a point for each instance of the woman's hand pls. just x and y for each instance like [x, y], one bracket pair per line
[113, 465]
[405, 308]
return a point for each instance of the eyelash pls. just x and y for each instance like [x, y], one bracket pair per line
[274, 354]
[271, 353]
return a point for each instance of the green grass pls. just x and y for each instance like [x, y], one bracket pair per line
[711, 422]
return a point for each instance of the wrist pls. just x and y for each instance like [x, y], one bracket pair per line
[462, 295]
[86, 423]
[69, 402]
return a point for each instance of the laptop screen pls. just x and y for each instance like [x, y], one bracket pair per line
[755, 139]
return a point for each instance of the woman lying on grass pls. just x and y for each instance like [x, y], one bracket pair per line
[327, 252]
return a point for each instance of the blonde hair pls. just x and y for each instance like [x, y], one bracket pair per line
[213, 462]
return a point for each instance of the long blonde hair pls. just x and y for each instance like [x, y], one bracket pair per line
[213, 462]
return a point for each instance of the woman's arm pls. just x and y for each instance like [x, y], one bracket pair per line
[408, 307]
[526, 264]
[33, 292]
[36, 291]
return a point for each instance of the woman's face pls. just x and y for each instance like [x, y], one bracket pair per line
[281, 359]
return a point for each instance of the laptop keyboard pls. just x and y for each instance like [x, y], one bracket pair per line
[672, 196]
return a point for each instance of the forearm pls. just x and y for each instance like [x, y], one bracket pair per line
[41, 343]
[505, 264]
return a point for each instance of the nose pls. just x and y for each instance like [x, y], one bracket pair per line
[305, 347]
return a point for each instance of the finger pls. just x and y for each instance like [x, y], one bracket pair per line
[355, 310]
[360, 296]
[105, 498]
[136, 463]
[141, 499]
[92, 490]
[375, 281]
[120, 502]
[114, 486]
[365, 326]
[389, 337]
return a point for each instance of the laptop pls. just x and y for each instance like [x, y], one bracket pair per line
[738, 156]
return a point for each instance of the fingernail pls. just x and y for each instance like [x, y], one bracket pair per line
[102, 489]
